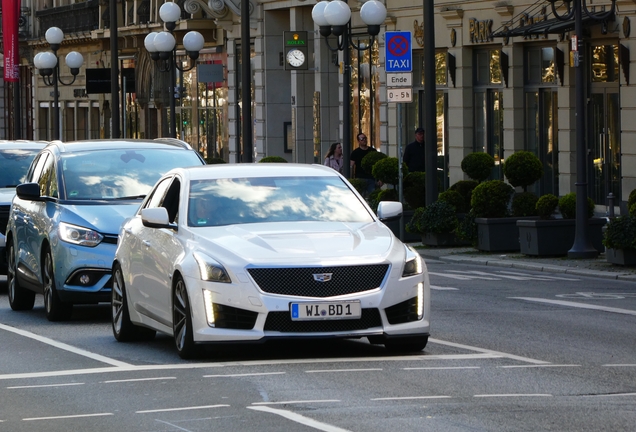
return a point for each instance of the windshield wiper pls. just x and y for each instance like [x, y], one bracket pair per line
[130, 197]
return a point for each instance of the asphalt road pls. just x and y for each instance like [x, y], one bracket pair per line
[510, 350]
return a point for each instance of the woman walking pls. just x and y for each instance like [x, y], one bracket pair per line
[334, 157]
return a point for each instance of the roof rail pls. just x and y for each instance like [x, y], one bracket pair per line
[174, 141]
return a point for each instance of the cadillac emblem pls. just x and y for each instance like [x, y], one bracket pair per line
[322, 277]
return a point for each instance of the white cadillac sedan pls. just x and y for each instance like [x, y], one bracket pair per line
[251, 252]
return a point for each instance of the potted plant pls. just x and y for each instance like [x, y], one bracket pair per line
[478, 166]
[436, 223]
[273, 159]
[496, 230]
[620, 240]
[465, 189]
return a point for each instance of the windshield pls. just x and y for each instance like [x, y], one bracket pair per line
[120, 173]
[273, 199]
[15, 164]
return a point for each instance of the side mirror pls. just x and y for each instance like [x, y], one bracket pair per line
[28, 191]
[389, 210]
[155, 217]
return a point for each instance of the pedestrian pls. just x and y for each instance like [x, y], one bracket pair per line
[356, 163]
[334, 157]
[414, 153]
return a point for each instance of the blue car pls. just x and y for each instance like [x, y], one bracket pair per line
[64, 221]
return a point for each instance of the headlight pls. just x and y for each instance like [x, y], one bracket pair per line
[79, 235]
[210, 270]
[412, 262]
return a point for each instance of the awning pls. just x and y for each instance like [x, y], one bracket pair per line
[551, 26]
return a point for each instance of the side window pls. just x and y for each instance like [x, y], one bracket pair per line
[48, 179]
[158, 193]
[36, 168]
[171, 200]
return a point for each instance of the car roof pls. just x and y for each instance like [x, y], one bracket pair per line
[244, 170]
[110, 144]
[23, 144]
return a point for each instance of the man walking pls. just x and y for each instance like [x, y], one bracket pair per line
[356, 163]
[414, 153]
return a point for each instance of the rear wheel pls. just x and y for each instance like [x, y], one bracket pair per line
[19, 298]
[182, 322]
[413, 344]
[56, 309]
[123, 328]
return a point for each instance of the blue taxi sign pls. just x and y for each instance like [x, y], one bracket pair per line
[398, 51]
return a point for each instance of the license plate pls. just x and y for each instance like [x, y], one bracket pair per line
[326, 311]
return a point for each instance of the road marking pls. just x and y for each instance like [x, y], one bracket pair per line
[513, 395]
[461, 277]
[68, 416]
[611, 395]
[442, 368]
[243, 375]
[542, 277]
[343, 370]
[299, 419]
[577, 305]
[138, 379]
[296, 402]
[180, 409]
[619, 365]
[64, 346]
[439, 288]
[483, 350]
[44, 385]
[539, 366]
[597, 296]
[411, 398]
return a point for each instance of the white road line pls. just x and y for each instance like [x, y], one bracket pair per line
[483, 350]
[481, 273]
[67, 416]
[138, 379]
[513, 395]
[44, 385]
[577, 305]
[539, 277]
[462, 277]
[538, 366]
[611, 395]
[411, 398]
[439, 288]
[180, 409]
[343, 370]
[243, 375]
[296, 402]
[442, 368]
[619, 365]
[64, 346]
[299, 419]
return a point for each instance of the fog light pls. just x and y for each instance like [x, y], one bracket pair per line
[84, 279]
[209, 307]
[420, 301]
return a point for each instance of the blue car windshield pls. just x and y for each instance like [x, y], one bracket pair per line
[15, 164]
[227, 201]
[119, 173]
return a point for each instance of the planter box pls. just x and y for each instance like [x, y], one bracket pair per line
[556, 237]
[498, 234]
[442, 239]
[624, 257]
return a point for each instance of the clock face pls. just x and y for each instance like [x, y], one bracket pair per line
[295, 58]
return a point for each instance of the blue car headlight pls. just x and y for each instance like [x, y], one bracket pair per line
[79, 235]
[210, 270]
[412, 262]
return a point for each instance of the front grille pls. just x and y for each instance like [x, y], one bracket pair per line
[300, 281]
[233, 318]
[402, 312]
[282, 322]
[110, 238]
[4, 218]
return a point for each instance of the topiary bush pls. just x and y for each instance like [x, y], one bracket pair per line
[382, 195]
[386, 170]
[273, 159]
[522, 168]
[438, 217]
[524, 204]
[632, 199]
[455, 199]
[632, 210]
[467, 228]
[465, 188]
[620, 233]
[567, 206]
[414, 189]
[214, 160]
[358, 184]
[491, 199]
[370, 159]
[546, 206]
[478, 166]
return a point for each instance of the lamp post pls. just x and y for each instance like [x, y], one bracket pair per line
[334, 17]
[161, 46]
[48, 65]
[582, 247]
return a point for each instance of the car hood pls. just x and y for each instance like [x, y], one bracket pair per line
[103, 218]
[318, 243]
[6, 195]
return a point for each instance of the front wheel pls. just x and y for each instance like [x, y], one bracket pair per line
[56, 309]
[182, 322]
[123, 328]
[19, 298]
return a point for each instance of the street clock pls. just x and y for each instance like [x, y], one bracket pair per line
[295, 50]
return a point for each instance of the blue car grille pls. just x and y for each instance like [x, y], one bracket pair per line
[110, 238]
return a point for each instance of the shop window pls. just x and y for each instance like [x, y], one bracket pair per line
[604, 64]
[365, 101]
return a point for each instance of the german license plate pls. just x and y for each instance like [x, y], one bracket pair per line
[326, 311]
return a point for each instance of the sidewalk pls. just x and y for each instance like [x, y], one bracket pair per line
[597, 267]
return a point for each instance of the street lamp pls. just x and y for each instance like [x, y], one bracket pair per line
[48, 65]
[161, 47]
[334, 17]
[582, 247]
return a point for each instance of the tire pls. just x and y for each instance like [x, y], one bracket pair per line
[56, 309]
[20, 299]
[412, 345]
[123, 328]
[182, 321]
